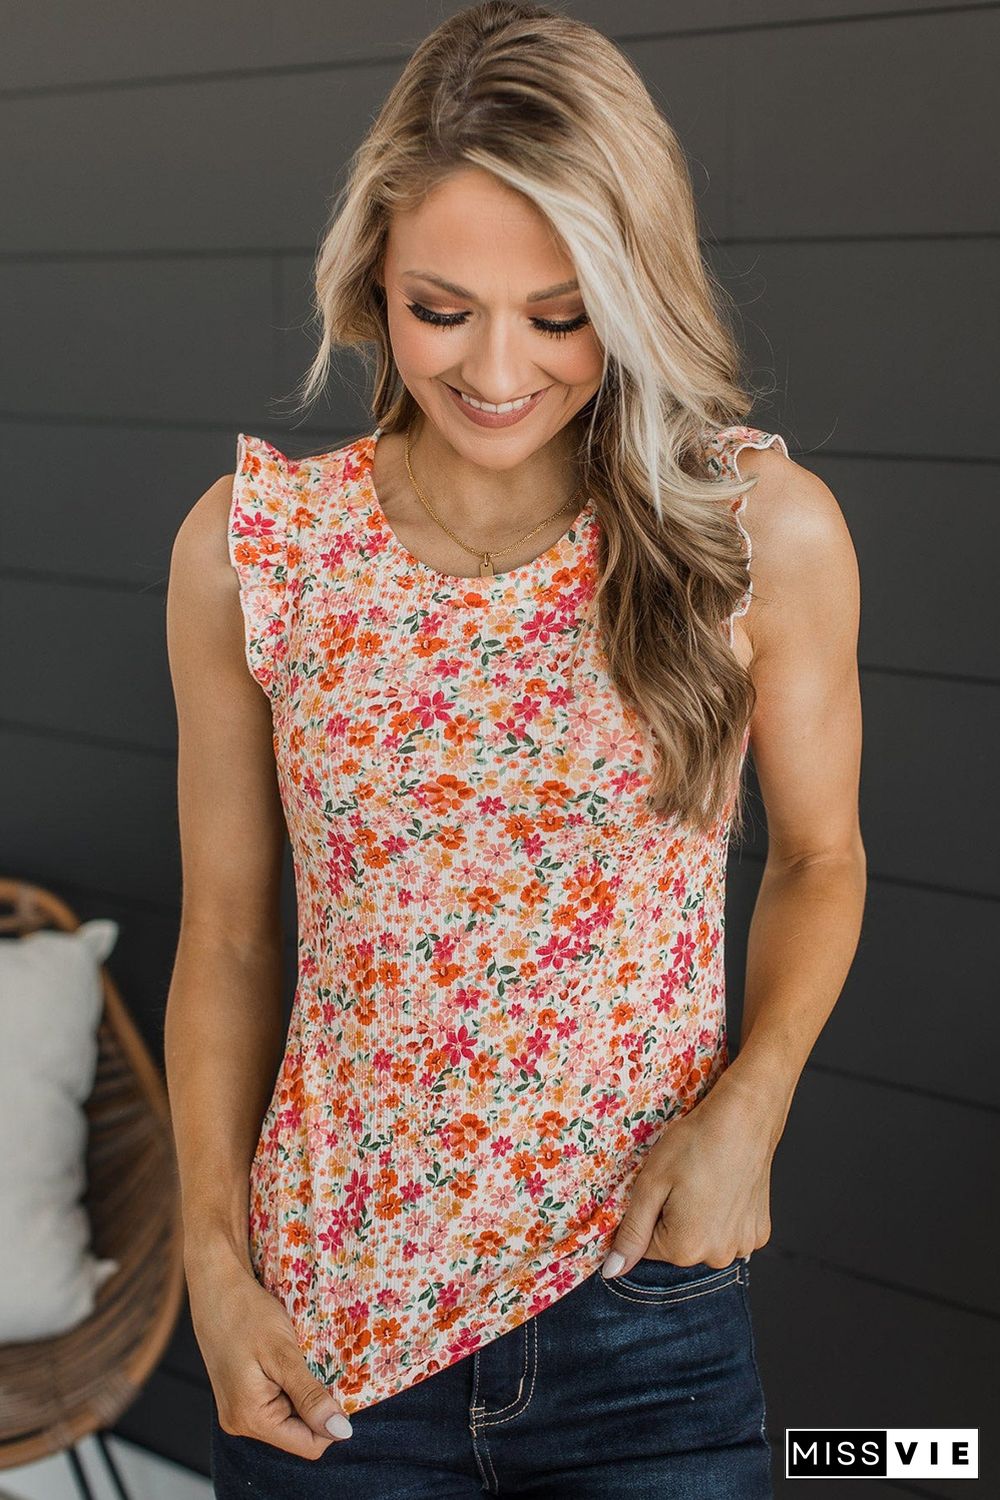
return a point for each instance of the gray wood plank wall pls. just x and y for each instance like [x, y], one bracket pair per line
[164, 176]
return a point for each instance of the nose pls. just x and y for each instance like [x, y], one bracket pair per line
[495, 369]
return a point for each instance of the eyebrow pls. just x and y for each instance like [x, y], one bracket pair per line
[459, 291]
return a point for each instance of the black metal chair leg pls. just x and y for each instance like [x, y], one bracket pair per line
[79, 1474]
[113, 1468]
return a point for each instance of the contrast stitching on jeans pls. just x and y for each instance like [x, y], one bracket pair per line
[490, 1482]
[662, 1298]
[687, 1286]
[475, 1413]
[533, 1334]
[524, 1370]
[475, 1385]
[482, 1457]
[703, 1281]
[745, 1299]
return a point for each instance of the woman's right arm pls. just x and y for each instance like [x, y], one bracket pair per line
[224, 1028]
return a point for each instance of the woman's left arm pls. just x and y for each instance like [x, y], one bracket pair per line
[703, 1191]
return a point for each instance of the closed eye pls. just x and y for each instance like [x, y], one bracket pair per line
[553, 328]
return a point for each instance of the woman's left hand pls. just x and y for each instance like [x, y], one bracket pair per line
[703, 1192]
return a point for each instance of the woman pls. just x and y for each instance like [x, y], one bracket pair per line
[496, 665]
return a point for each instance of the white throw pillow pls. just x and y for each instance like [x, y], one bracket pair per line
[50, 1008]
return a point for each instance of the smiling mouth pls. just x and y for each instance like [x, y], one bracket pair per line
[494, 405]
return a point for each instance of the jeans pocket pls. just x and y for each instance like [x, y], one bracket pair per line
[660, 1281]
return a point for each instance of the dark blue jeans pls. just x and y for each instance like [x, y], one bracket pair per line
[644, 1387]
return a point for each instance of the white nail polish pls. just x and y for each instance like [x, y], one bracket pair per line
[613, 1264]
[339, 1427]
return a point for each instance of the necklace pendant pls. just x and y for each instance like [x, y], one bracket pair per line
[486, 569]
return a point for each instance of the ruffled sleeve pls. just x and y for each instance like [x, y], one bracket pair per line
[259, 552]
[721, 450]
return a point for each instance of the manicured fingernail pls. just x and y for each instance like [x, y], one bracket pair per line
[339, 1427]
[612, 1264]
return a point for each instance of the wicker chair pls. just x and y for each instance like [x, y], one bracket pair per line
[55, 1391]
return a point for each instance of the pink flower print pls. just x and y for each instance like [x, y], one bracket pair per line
[458, 1045]
[683, 950]
[558, 951]
[543, 626]
[257, 524]
[431, 708]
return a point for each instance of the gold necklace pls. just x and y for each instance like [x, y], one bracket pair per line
[486, 568]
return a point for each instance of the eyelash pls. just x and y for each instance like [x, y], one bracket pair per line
[456, 320]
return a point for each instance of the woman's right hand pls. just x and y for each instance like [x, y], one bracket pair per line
[263, 1387]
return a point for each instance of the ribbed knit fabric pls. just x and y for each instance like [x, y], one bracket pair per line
[510, 971]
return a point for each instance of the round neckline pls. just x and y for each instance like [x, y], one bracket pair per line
[563, 548]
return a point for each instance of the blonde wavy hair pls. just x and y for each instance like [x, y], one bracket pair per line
[553, 109]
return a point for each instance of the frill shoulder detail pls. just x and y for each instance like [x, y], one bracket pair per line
[262, 552]
[721, 449]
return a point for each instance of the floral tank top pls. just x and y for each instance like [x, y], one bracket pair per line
[510, 971]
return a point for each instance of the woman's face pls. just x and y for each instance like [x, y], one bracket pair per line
[488, 334]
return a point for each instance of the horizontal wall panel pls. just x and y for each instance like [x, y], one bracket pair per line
[929, 789]
[917, 976]
[49, 44]
[916, 1009]
[926, 535]
[892, 1184]
[102, 501]
[88, 660]
[838, 1351]
[928, 784]
[871, 348]
[251, 162]
[806, 163]
[156, 340]
[647, 16]
[90, 816]
[344, 403]
[246, 161]
[212, 164]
